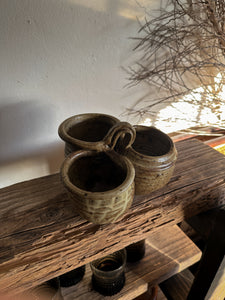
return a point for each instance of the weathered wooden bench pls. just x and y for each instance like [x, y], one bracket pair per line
[41, 235]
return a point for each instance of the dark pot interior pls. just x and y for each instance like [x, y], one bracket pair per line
[92, 130]
[96, 173]
[151, 142]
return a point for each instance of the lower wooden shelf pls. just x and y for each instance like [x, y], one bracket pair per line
[168, 252]
[134, 287]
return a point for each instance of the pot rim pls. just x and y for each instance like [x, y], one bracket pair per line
[161, 161]
[121, 268]
[68, 162]
[69, 122]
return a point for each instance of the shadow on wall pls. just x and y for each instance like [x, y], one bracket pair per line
[27, 149]
[25, 127]
[66, 54]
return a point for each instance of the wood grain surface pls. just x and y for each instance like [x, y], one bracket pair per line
[178, 286]
[42, 236]
[168, 251]
[134, 286]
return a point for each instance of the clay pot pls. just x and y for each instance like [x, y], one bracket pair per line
[100, 184]
[93, 131]
[153, 155]
[72, 277]
[135, 251]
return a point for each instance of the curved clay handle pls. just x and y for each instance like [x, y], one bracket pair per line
[119, 131]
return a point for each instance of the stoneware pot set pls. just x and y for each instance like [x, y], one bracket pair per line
[107, 162]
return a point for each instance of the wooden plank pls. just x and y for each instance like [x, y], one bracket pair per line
[134, 287]
[42, 236]
[153, 293]
[178, 286]
[189, 231]
[169, 252]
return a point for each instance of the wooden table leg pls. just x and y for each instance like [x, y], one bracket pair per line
[209, 282]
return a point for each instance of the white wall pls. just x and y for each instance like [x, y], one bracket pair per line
[59, 58]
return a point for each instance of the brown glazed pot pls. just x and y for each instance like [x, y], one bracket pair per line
[94, 131]
[153, 155]
[101, 184]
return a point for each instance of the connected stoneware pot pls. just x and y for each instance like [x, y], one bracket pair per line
[94, 131]
[153, 155]
[101, 184]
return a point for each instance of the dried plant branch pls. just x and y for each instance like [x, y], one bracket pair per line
[183, 48]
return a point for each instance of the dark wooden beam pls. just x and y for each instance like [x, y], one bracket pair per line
[209, 279]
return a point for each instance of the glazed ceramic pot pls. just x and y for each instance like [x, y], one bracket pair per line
[153, 155]
[93, 131]
[101, 184]
[72, 277]
[135, 251]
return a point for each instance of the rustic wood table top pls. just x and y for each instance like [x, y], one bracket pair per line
[42, 236]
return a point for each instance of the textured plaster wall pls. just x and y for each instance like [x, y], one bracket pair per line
[59, 58]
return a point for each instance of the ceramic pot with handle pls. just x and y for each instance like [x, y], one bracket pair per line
[94, 131]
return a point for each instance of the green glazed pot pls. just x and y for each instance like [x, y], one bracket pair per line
[100, 184]
[153, 155]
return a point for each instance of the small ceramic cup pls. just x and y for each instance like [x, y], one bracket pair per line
[72, 277]
[135, 251]
[101, 184]
[109, 273]
[153, 155]
[93, 131]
